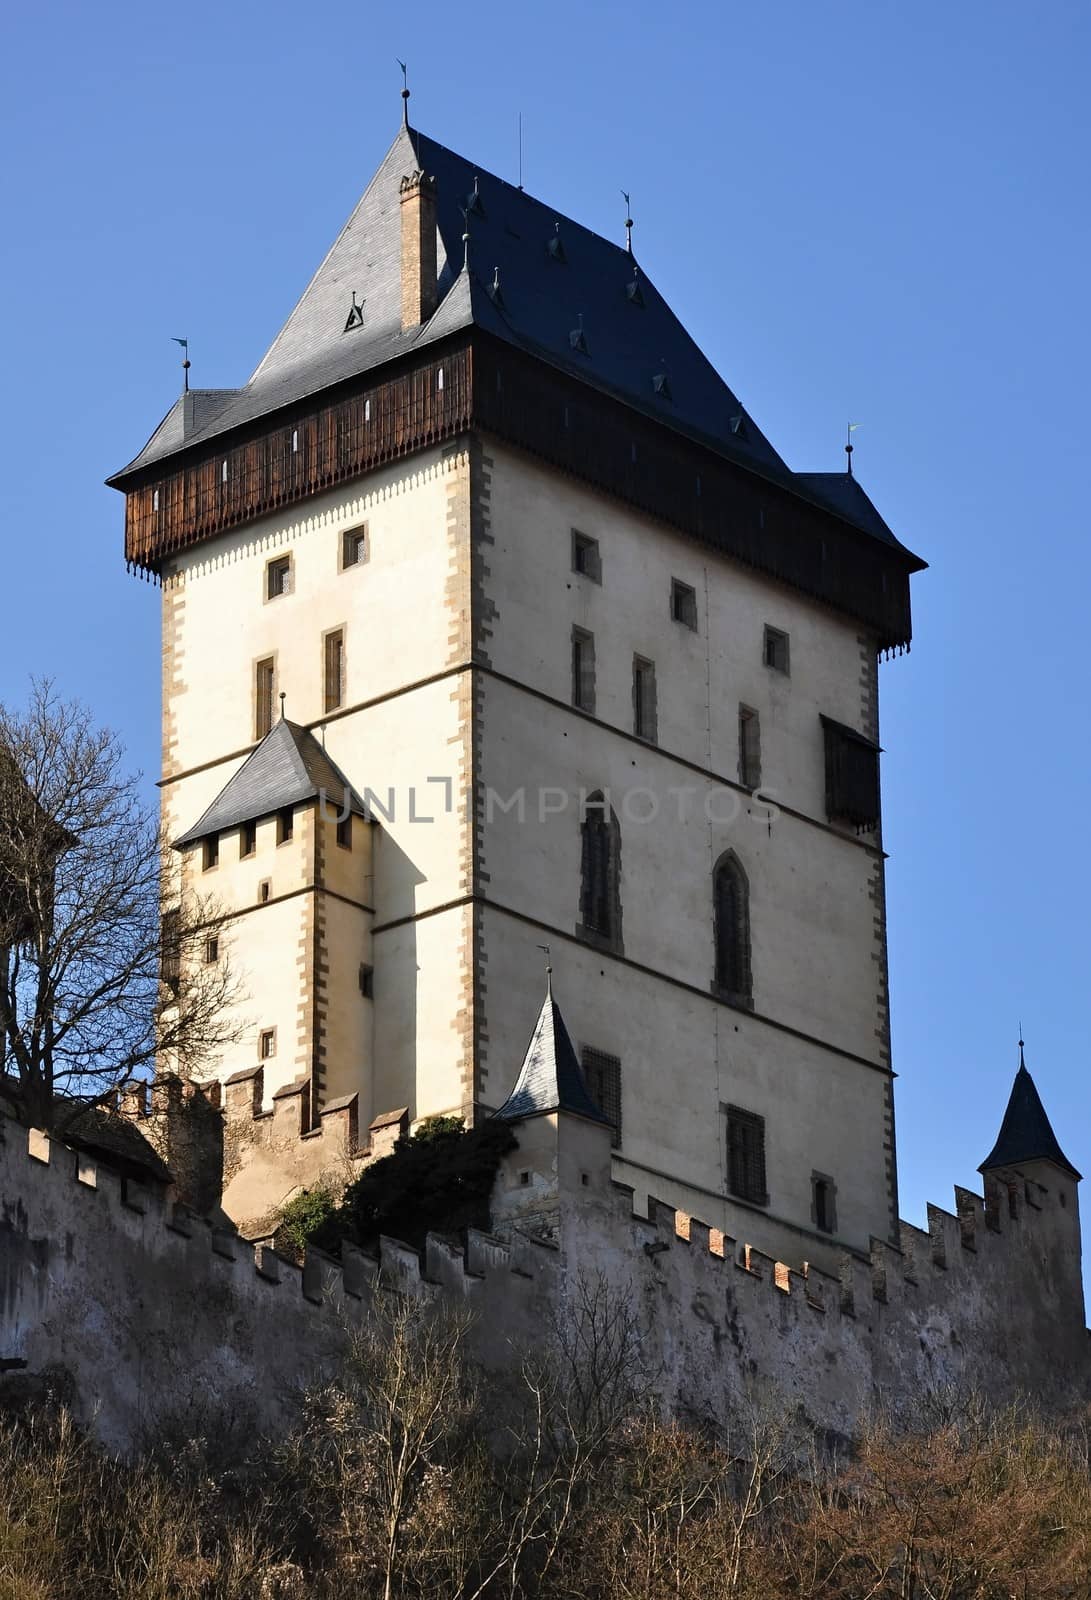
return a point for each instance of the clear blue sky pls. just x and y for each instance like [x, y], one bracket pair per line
[872, 211]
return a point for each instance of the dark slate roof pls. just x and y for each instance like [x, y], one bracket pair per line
[288, 767]
[100, 1131]
[842, 493]
[1025, 1133]
[551, 1078]
[552, 273]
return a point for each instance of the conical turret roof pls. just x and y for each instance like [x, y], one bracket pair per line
[1026, 1133]
[551, 1078]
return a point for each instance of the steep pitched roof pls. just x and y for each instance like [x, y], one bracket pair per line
[553, 275]
[1026, 1133]
[550, 1078]
[288, 767]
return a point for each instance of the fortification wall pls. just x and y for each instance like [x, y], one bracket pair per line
[137, 1308]
[133, 1308]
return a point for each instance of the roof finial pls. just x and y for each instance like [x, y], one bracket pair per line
[549, 969]
[283, 697]
[465, 238]
[185, 363]
[849, 445]
[520, 150]
[628, 222]
[405, 93]
[1022, 1063]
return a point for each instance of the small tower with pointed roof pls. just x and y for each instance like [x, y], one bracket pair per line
[1028, 1164]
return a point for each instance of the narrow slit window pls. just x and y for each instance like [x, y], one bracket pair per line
[749, 748]
[267, 1044]
[600, 872]
[334, 670]
[212, 950]
[248, 840]
[264, 696]
[344, 832]
[211, 852]
[644, 708]
[265, 891]
[731, 919]
[583, 670]
[170, 950]
[285, 825]
[822, 1207]
[367, 981]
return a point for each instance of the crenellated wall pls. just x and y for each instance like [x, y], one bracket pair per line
[135, 1307]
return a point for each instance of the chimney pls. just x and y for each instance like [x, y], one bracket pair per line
[418, 201]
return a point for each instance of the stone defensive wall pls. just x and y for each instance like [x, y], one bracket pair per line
[134, 1307]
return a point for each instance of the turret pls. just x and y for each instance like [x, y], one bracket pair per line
[1028, 1165]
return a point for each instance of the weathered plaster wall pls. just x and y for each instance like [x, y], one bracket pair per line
[146, 1311]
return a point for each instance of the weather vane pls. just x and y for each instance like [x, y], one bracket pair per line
[628, 222]
[185, 363]
[405, 92]
[849, 445]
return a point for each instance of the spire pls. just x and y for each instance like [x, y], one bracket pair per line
[551, 1078]
[405, 93]
[628, 222]
[1026, 1133]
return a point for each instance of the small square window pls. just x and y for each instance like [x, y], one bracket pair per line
[248, 839]
[684, 604]
[524, 1180]
[367, 981]
[265, 890]
[278, 578]
[285, 825]
[212, 950]
[211, 852]
[267, 1043]
[344, 832]
[585, 556]
[775, 650]
[354, 550]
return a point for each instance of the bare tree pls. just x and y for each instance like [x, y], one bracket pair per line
[93, 986]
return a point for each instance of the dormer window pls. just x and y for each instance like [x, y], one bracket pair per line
[355, 317]
[661, 385]
[578, 339]
[555, 245]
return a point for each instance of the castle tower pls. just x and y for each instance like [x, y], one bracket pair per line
[599, 670]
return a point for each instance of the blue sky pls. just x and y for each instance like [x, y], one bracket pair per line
[867, 211]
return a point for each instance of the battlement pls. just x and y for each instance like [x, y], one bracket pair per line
[225, 1150]
[145, 1304]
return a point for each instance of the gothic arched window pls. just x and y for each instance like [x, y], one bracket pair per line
[731, 913]
[600, 871]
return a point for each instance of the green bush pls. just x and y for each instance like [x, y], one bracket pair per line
[440, 1178]
[303, 1217]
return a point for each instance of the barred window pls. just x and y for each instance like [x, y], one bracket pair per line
[602, 1074]
[731, 912]
[600, 867]
[746, 1155]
